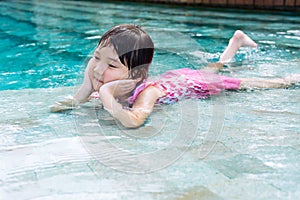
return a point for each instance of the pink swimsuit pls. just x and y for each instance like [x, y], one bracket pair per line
[187, 83]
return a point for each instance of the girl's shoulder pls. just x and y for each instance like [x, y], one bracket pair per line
[147, 85]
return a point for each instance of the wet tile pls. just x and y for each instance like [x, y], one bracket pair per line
[211, 150]
[247, 189]
[199, 193]
[239, 165]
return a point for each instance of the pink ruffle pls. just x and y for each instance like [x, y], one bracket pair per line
[139, 89]
[187, 83]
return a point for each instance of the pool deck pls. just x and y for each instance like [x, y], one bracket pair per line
[42, 157]
[291, 5]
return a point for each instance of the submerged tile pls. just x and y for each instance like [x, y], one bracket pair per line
[239, 165]
[199, 193]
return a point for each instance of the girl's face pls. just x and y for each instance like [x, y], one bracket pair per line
[105, 66]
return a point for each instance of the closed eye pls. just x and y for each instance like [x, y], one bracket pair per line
[112, 66]
[96, 57]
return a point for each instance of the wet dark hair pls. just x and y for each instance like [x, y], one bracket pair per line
[133, 46]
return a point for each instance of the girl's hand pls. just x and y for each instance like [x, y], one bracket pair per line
[118, 88]
[64, 105]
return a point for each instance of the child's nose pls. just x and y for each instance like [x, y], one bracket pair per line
[100, 68]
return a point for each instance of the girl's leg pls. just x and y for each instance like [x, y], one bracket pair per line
[239, 39]
[269, 83]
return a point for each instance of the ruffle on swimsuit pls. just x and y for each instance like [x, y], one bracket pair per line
[187, 83]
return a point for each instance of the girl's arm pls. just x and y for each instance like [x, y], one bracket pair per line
[81, 96]
[143, 106]
[85, 89]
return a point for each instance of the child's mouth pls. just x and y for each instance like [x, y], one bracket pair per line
[99, 81]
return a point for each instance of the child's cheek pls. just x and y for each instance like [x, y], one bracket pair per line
[107, 77]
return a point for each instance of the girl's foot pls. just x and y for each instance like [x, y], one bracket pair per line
[242, 39]
[239, 39]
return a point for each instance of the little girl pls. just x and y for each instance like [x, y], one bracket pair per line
[119, 68]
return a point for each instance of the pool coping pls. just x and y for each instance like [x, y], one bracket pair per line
[279, 5]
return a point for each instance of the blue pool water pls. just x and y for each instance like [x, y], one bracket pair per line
[239, 145]
[45, 44]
